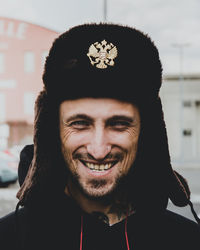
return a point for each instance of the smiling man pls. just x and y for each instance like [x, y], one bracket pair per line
[100, 174]
[99, 139]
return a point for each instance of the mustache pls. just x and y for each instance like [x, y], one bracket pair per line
[110, 156]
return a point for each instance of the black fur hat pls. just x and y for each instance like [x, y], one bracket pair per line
[114, 61]
[103, 60]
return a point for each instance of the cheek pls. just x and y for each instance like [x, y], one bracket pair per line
[127, 139]
[129, 159]
[66, 144]
[71, 141]
[129, 142]
[130, 156]
[65, 135]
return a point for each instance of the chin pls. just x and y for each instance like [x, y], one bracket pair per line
[98, 190]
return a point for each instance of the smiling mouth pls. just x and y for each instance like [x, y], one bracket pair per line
[99, 167]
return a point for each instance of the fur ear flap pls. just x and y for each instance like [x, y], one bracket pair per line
[35, 171]
[179, 191]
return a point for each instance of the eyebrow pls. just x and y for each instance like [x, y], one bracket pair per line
[79, 116]
[121, 117]
[110, 119]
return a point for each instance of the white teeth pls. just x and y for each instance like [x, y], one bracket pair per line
[98, 167]
[90, 165]
[102, 167]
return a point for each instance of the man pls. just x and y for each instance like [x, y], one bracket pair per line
[101, 176]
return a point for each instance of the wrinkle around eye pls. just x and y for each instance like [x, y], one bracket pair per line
[133, 132]
[124, 128]
[66, 133]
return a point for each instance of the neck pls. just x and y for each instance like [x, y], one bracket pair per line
[110, 212]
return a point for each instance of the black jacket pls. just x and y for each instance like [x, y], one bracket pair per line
[57, 225]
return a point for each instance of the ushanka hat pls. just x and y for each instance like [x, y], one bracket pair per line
[105, 61]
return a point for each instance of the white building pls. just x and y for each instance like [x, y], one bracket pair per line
[181, 105]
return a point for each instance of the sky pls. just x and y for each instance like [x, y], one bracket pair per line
[173, 25]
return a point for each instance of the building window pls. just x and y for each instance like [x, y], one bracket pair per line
[29, 101]
[29, 62]
[187, 132]
[187, 104]
[3, 107]
[197, 103]
[8, 84]
[2, 63]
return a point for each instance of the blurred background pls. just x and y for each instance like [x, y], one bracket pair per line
[27, 30]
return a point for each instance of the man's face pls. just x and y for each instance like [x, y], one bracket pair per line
[99, 139]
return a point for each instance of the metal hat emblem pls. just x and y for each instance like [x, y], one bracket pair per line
[102, 54]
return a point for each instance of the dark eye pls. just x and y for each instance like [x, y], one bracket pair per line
[119, 124]
[80, 124]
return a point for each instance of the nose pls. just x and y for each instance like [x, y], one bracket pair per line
[99, 146]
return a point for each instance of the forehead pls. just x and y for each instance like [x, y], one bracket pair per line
[97, 107]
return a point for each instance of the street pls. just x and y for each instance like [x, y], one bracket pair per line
[8, 199]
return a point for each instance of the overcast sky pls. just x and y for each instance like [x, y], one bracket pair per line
[167, 22]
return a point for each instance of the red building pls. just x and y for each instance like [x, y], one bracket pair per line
[23, 48]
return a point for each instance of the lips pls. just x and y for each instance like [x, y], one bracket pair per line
[99, 167]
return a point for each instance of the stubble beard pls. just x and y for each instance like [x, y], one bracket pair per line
[96, 189]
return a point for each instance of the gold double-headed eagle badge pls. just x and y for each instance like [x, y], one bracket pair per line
[102, 54]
